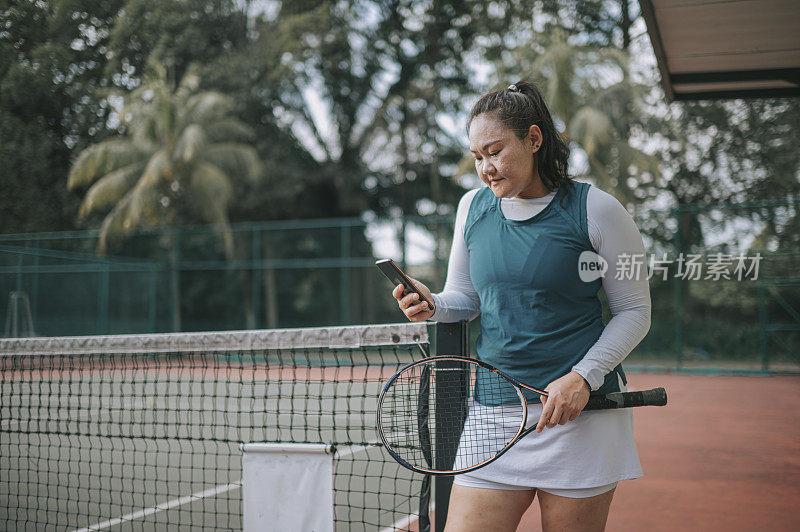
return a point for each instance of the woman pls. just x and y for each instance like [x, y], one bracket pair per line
[516, 254]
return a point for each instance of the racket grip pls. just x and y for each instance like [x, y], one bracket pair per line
[654, 397]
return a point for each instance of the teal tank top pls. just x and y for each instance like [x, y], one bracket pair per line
[538, 318]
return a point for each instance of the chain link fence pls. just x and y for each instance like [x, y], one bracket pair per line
[724, 280]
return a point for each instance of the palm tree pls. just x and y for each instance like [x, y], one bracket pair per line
[595, 115]
[179, 148]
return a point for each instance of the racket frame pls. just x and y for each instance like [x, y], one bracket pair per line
[455, 358]
[655, 397]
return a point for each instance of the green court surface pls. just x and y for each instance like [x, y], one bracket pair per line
[144, 441]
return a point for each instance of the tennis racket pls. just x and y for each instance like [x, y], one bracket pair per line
[446, 415]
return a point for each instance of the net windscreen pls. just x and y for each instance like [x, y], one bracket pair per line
[464, 412]
[145, 430]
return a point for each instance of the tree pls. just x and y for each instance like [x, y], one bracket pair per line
[591, 95]
[52, 55]
[178, 145]
[364, 88]
[178, 33]
[56, 61]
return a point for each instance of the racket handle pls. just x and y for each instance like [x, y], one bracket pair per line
[654, 397]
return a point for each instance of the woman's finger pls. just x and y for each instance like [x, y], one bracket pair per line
[408, 300]
[555, 416]
[547, 411]
[398, 292]
[422, 306]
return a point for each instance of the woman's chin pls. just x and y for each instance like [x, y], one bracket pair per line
[500, 190]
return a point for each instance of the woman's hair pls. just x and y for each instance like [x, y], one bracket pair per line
[519, 107]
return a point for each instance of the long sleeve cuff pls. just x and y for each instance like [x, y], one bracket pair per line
[454, 306]
[594, 376]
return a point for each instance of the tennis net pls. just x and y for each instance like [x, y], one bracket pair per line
[144, 431]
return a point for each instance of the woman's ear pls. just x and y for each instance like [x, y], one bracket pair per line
[535, 135]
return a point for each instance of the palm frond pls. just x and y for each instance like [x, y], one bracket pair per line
[591, 129]
[146, 193]
[229, 130]
[236, 160]
[174, 136]
[212, 193]
[638, 159]
[110, 189]
[617, 102]
[466, 166]
[189, 83]
[134, 108]
[191, 144]
[101, 159]
[557, 66]
[204, 108]
[598, 171]
[114, 224]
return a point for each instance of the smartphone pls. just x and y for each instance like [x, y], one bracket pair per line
[396, 275]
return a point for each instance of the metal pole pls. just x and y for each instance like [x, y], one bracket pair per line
[174, 278]
[256, 278]
[677, 293]
[35, 284]
[103, 296]
[403, 242]
[153, 297]
[451, 339]
[762, 326]
[345, 296]
[20, 267]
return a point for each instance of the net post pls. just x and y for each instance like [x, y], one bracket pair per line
[451, 339]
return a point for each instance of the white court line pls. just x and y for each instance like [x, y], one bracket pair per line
[165, 506]
[400, 523]
[351, 450]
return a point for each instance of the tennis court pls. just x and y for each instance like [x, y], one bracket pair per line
[724, 455]
[143, 432]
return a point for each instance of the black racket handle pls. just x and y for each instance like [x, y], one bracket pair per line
[654, 397]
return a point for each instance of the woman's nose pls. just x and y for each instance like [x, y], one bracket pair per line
[487, 168]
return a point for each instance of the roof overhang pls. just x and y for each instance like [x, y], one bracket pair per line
[710, 49]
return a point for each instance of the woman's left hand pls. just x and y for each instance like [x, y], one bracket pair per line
[565, 399]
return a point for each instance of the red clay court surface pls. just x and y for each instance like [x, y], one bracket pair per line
[723, 455]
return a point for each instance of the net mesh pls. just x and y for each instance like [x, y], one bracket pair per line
[447, 415]
[145, 430]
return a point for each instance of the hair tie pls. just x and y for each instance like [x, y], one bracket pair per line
[513, 88]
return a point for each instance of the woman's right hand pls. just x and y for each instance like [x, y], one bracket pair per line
[412, 307]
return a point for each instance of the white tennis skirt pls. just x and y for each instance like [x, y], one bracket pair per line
[595, 449]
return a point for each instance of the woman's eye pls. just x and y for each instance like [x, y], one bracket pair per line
[494, 154]
[477, 159]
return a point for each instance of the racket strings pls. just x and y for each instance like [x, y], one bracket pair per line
[449, 415]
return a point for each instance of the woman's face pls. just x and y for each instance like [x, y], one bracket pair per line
[504, 161]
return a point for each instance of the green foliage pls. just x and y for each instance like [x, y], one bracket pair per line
[49, 75]
[353, 93]
[142, 175]
[599, 106]
[636, 146]
[176, 33]
[351, 106]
